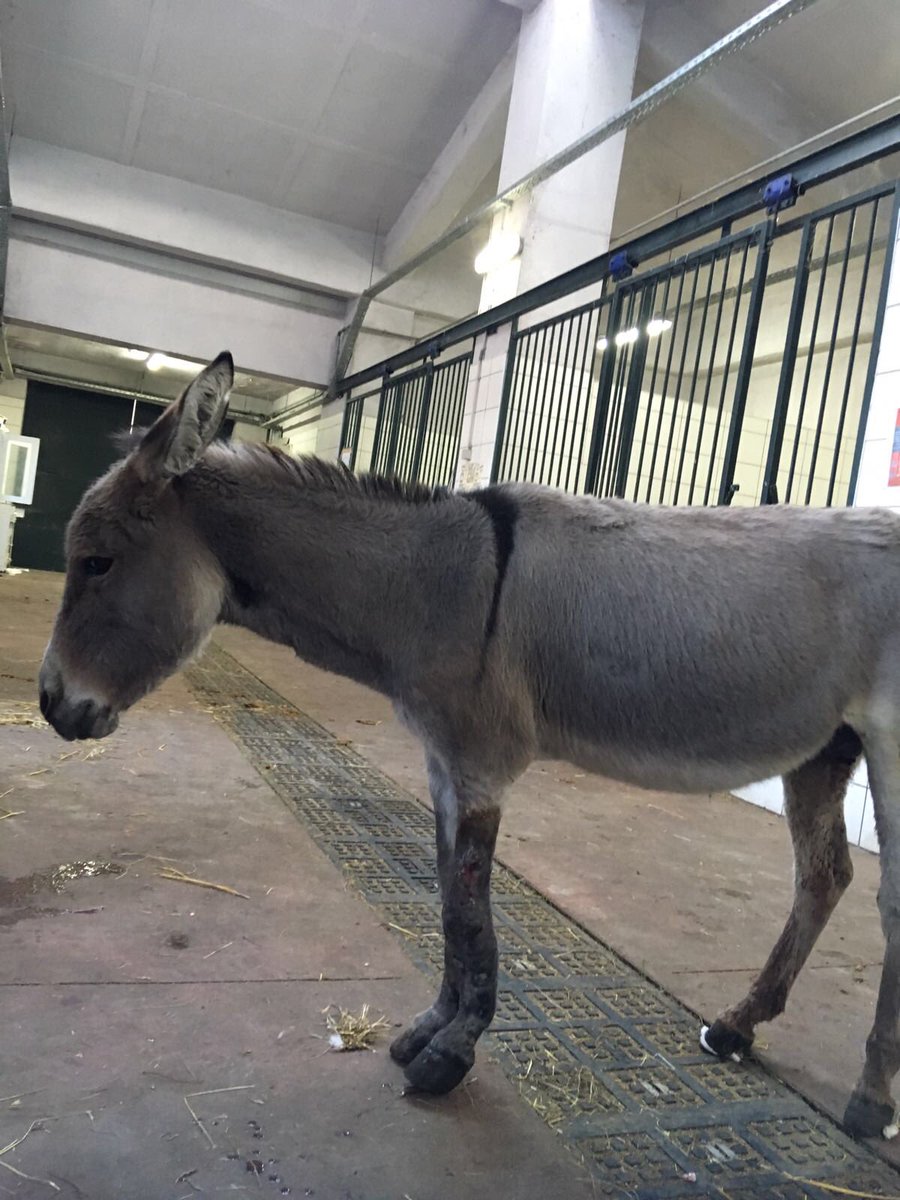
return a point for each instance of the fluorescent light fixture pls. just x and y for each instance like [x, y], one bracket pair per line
[602, 343]
[503, 247]
[626, 336]
[137, 355]
[657, 326]
[157, 361]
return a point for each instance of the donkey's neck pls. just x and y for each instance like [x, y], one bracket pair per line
[363, 580]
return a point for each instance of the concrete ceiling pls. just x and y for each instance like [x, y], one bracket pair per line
[331, 108]
[339, 109]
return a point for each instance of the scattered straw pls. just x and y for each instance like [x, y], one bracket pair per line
[571, 1090]
[30, 719]
[6, 813]
[18, 1142]
[837, 1190]
[218, 948]
[176, 876]
[199, 1123]
[353, 1031]
[241, 1087]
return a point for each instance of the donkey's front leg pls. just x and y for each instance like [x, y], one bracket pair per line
[414, 1039]
[470, 954]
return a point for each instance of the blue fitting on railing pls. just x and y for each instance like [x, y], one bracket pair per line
[621, 265]
[780, 193]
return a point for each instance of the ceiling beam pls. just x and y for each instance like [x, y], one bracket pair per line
[472, 151]
[95, 196]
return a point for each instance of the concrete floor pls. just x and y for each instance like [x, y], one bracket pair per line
[112, 1027]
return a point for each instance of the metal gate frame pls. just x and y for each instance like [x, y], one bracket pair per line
[428, 401]
[614, 409]
[629, 302]
[612, 442]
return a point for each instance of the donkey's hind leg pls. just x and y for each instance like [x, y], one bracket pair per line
[871, 1108]
[814, 795]
[414, 1039]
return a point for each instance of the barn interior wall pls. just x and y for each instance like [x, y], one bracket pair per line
[12, 402]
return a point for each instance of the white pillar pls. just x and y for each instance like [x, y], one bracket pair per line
[479, 430]
[575, 65]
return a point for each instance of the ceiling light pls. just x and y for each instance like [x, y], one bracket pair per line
[657, 326]
[157, 361]
[503, 247]
[626, 336]
[137, 355]
[602, 343]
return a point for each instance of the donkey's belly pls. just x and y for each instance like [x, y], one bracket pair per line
[677, 774]
[692, 766]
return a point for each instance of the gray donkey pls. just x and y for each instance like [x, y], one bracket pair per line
[687, 649]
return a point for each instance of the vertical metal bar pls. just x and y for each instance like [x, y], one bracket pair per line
[424, 406]
[788, 364]
[443, 397]
[587, 399]
[682, 275]
[726, 370]
[378, 437]
[878, 329]
[563, 424]
[535, 392]
[763, 239]
[557, 421]
[527, 348]
[456, 417]
[538, 448]
[651, 390]
[854, 345]
[829, 362]
[611, 449]
[632, 396]
[686, 432]
[810, 357]
[695, 270]
[509, 372]
[604, 388]
[714, 342]
[583, 395]
[346, 422]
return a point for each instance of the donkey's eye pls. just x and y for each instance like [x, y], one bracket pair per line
[96, 565]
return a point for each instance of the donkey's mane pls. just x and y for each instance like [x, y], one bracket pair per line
[319, 474]
[334, 478]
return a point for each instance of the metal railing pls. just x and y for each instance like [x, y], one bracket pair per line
[415, 430]
[737, 372]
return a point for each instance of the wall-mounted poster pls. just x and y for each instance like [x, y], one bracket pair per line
[894, 477]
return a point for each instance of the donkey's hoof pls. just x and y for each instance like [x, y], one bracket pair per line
[865, 1117]
[718, 1039]
[412, 1041]
[438, 1069]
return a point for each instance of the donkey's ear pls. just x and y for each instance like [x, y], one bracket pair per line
[175, 443]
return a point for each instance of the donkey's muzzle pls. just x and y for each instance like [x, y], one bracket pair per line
[73, 718]
[83, 719]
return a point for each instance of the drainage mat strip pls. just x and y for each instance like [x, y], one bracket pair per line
[605, 1057]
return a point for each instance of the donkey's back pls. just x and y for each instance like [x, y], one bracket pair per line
[700, 648]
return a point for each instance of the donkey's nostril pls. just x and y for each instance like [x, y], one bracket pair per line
[46, 703]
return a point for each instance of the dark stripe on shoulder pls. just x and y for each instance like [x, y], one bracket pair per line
[503, 512]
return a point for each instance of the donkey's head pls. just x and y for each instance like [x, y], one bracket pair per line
[143, 590]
